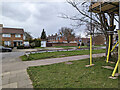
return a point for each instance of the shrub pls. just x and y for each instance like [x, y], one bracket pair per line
[11, 47]
[82, 44]
[20, 47]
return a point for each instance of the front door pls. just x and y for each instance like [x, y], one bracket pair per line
[15, 44]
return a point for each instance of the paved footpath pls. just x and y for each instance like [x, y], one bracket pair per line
[14, 74]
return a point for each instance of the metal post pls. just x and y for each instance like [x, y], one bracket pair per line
[114, 46]
[119, 40]
[91, 37]
[90, 49]
[117, 64]
[108, 49]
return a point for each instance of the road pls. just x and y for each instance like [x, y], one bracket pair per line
[8, 57]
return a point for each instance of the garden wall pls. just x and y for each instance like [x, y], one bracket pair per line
[61, 44]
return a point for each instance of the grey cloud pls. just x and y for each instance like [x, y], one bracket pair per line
[44, 15]
[16, 11]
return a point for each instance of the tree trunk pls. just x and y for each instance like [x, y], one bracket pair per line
[111, 29]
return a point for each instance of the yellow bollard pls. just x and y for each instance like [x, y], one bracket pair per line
[79, 46]
[108, 49]
[91, 49]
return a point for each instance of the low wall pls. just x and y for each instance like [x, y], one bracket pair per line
[61, 44]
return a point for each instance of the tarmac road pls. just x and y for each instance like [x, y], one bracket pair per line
[8, 57]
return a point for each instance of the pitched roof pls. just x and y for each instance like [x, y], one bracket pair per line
[12, 30]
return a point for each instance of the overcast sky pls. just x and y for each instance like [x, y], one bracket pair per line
[34, 16]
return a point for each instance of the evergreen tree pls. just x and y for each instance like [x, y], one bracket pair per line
[43, 35]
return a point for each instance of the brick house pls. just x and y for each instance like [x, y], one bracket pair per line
[59, 40]
[56, 38]
[11, 36]
[85, 41]
[99, 40]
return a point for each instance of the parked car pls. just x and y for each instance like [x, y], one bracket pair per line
[5, 49]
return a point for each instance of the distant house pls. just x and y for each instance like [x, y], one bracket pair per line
[59, 40]
[99, 40]
[11, 36]
[56, 38]
[85, 41]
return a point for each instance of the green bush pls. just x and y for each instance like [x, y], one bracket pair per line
[82, 44]
[11, 47]
[20, 47]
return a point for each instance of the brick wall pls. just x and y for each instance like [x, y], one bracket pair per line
[12, 38]
[61, 44]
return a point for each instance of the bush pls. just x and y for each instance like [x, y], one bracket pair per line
[11, 47]
[82, 44]
[32, 46]
[20, 47]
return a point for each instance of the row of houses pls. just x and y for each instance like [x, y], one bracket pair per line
[54, 39]
[15, 37]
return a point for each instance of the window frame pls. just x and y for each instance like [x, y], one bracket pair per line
[7, 43]
[6, 35]
[18, 35]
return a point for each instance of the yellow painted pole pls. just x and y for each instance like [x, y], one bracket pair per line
[90, 49]
[114, 47]
[108, 49]
[118, 51]
[118, 62]
[113, 74]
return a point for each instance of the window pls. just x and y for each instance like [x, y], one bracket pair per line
[7, 43]
[19, 43]
[59, 38]
[17, 35]
[6, 35]
[56, 38]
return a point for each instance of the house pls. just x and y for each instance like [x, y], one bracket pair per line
[85, 41]
[11, 36]
[56, 38]
[59, 40]
[99, 40]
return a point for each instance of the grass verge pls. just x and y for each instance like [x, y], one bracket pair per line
[45, 55]
[74, 75]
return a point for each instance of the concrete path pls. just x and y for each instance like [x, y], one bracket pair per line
[59, 60]
[14, 74]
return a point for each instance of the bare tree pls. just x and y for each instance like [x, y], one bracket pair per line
[99, 22]
[67, 33]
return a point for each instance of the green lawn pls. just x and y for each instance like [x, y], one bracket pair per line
[65, 47]
[45, 55]
[69, 47]
[74, 75]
